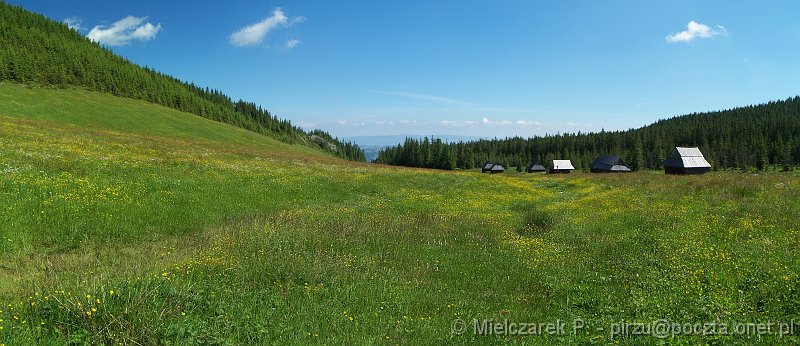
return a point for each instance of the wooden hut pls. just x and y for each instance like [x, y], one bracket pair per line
[497, 169]
[686, 161]
[560, 166]
[609, 164]
[535, 167]
[491, 167]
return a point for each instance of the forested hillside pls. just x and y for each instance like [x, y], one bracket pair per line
[40, 51]
[761, 137]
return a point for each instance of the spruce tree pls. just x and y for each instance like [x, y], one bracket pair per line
[637, 157]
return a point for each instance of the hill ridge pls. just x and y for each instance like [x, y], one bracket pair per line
[39, 50]
[772, 128]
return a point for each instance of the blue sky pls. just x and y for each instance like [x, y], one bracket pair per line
[489, 68]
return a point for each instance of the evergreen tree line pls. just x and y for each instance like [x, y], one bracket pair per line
[37, 50]
[759, 137]
[424, 153]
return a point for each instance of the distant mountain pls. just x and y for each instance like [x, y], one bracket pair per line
[391, 140]
[371, 151]
[40, 51]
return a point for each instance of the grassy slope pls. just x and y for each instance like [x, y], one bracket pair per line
[96, 111]
[126, 221]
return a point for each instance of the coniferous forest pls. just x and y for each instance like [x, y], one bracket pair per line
[37, 50]
[765, 136]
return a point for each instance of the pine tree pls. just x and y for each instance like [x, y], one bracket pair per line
[425, 150]
[448, 159]
[637, 157]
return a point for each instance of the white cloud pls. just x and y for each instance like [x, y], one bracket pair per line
[292, 43]
[74, 23]
[146, 32]
[254, 34]
[528, 123]
[492, 123]
[696, 30]
[124, 31]
[465, 123]
[486, 122]
[578, 125]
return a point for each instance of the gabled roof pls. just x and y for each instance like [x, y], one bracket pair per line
[609, 163]
[487, 165]
[562, 164]
[686, 152]
[686, 158]
[609, 160]
[535, 166]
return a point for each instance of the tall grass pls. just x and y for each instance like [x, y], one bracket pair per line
[114, 232]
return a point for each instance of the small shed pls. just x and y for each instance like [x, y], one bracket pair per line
[535, 167]
[497, 169]
[487, 167]
[609, 164]
[686, 160]
[560, 166]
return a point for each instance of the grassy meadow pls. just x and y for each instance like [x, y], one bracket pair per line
[122, 222]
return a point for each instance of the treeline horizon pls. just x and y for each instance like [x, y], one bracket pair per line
[39, 50]
[752, 137]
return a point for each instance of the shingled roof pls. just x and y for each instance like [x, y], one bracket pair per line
[562, 164]
[609, 163]
[497, 169]
[491, 167]
[684, 160]
[535, 166]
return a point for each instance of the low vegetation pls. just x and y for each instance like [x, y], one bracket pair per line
[188, 231]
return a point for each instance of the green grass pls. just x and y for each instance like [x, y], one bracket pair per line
[207, 234]
[89, 111]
